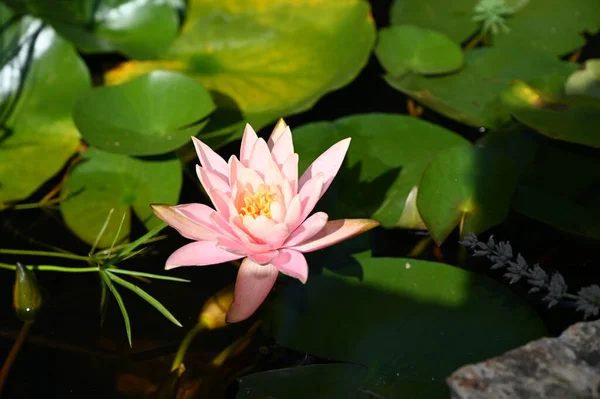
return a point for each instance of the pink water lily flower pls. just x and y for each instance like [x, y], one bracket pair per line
[261, 214]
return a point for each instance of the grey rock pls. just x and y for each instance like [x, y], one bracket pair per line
[567, 367]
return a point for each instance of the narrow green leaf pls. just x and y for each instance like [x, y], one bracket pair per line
[99, 236]
[103, 302]
[141, 240]
[149, 275]
[105, 277]
[145, 296]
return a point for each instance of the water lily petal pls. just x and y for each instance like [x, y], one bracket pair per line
[253, 284]
[187, 226]
[336, 231]
[278, 211]
[289, 170]
[292, 263]
[210, 159]
[258, 228]
[293, 212]
[211, 180]
[309, 196]
[248, 140]
[277, 235]
[260, 158]
[223, 203]
[264, 258]
[328, 163]
[308, 229]
[276, 133]
[200, 253]
[283, 147]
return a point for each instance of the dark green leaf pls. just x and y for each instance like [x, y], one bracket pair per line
[319, 381]
[120, 302]
[384, 163]
[466, 187]
[411, 322]
[103, 181]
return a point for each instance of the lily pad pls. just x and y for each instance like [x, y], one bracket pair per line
[585, 81]
[405, 48]
[152, 114]
[412, 322]
[41, 76]
[452, 18]
[319, 381]
[572, 119]
[466, 187]
[138, 29]
[385, 161]
[548, 25]
[272, 58]
[552, 25]
[105, 181]
[472, 96]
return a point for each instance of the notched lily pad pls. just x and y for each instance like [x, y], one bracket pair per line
[405, 48]
[272, 58]
[466, 187]
[572, 119]
[585, 81]
[105, 181]
[152, 114]
[41, 77]
[399, 310]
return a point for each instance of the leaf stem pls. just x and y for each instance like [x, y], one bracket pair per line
[53, 268]
[185, 344]
[12, 356]
[43, 253]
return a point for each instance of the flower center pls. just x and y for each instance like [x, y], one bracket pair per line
[257, 204]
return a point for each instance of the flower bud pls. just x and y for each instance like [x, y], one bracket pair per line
[27, 296]
[214, 311]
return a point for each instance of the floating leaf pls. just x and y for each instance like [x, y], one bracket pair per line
[452, 18]
[544, 25]
[268, 59]
[472, 96]
[466, 187]
[400, 310]
[384, 163]
[405, 48]
[572, 119]
[552, 26]
[585, 81]
[152, 114]
[41, 77]
[138, 29]
[103, 181]
[317, 381]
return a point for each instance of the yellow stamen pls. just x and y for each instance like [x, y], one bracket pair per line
[257, 204]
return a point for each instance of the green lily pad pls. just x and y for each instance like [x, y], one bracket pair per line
[551, 25]
[572, 119]
[466, 187]
[41, 77]
[105, 181]
[385, 161]
[585, 81]
[557, 184]
[138, 29]
[318, 381]
[452, 18]
[271, 58]
[412, 322]
[152, 114]
[405, 48]
[472, 96]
